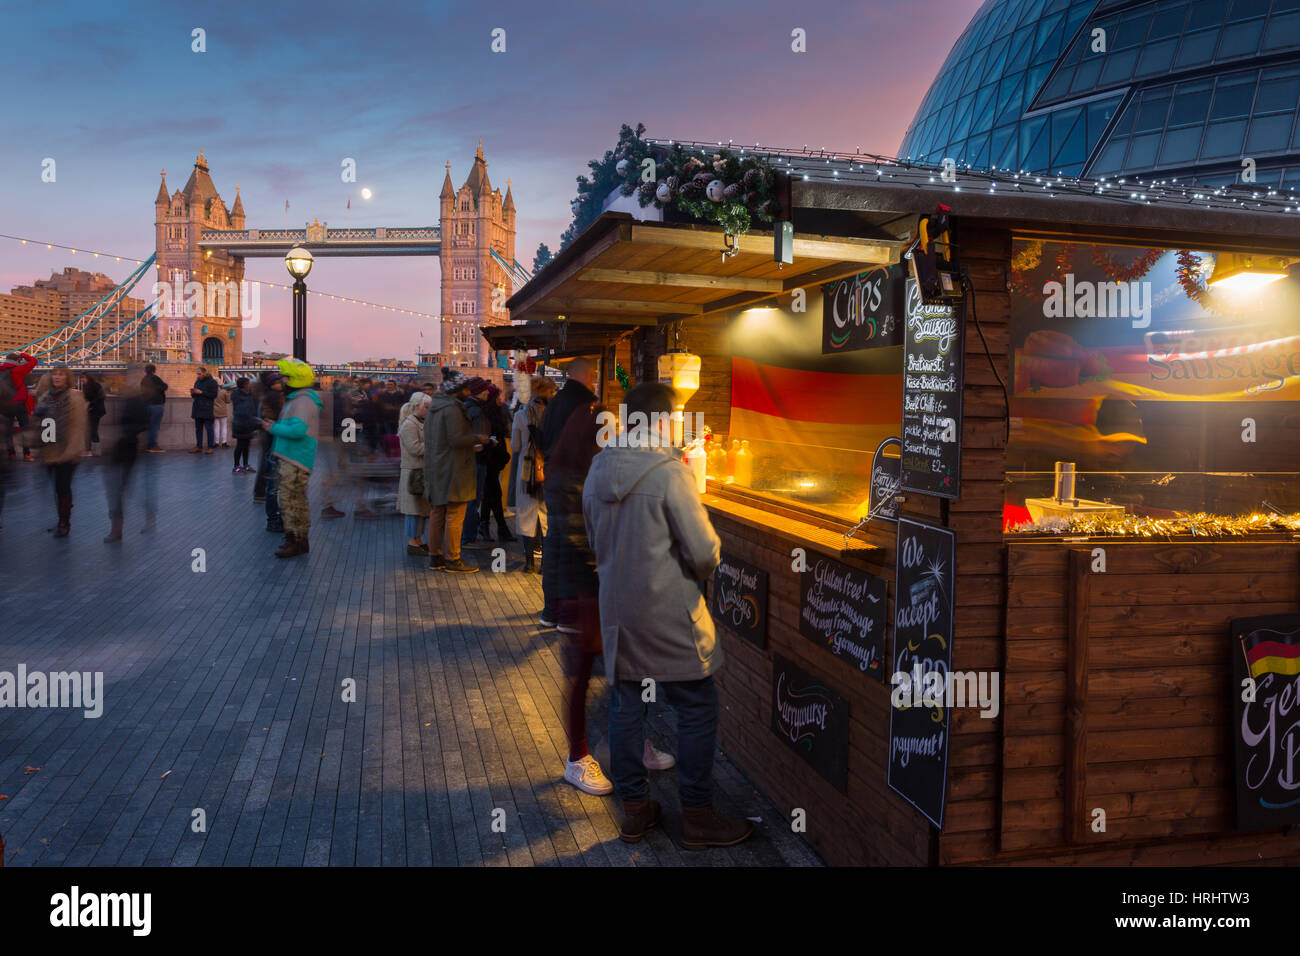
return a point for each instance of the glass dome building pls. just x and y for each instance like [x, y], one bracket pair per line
[1182, 88]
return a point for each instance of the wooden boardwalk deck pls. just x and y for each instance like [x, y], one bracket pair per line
[224, 693]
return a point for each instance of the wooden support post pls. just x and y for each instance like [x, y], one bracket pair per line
[1076, 698]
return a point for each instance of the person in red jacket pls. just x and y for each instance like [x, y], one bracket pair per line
[18, 365]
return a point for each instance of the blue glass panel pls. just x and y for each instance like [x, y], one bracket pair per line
[1118, 67]
[1207, 13]
[1063, 124]
[1033, 143]
[1167, 22]
[1059, 85]
[993, 63]
[1002, 147]
[1223, 139]
[1142, 150]
[961, 126]
[1277, 92]
[1282, 32]
[1049, 36]
[1245, 9]
[1034, 79]
[1099, 114]
[1151, 114]
[977, 151]
[1269, 134]
[1111, 159]
[982, 111]
[1156, 58]
[1085, 77]
[1032, 11]
[1072, 150]
[1233, 96]
[1129, 33]
[1242, 39]
[1020, 47]
[1180, 146]
[1191, 103]
[1009, 93]
[1196, 48]
[1125, 123]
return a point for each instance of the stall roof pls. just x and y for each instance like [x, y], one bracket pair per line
[559, 340]
[626, 272]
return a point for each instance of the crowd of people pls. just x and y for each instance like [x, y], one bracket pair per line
[618, 534]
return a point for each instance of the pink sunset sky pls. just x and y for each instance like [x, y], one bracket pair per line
[116, 94]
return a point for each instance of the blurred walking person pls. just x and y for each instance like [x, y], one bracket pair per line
[474, 527]
[655, 546]
[133, 423]
[18, 365]
[294, 447]
[221, 416]
[530, 520]
[154, 391]
[410, 485]
[449, 471]
[64, 407]
[264, 488]
[204, 391]
[93, 391]
[243, 423]
[495, 457]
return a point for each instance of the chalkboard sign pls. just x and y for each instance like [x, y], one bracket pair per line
[843, 610]
[863, 311]
[933, 370]
[812, 719]
[1266, 732]
[923, 601]
[883, 501]
[739, 599]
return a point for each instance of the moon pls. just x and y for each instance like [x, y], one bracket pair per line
[365, 193]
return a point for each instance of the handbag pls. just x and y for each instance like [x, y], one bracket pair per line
[415, 482]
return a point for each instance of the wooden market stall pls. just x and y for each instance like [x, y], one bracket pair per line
[1100, 619]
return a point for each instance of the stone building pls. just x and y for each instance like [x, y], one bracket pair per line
[475, 220]
[31, 312]
[200, 319]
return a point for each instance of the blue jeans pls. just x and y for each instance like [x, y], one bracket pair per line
[155, 423]
[470, 531]
[696, 703]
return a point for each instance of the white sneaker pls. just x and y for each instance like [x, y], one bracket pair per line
[586, 775]
[656, 759]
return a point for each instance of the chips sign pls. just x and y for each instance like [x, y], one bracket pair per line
[1266, 727]
[863, 311]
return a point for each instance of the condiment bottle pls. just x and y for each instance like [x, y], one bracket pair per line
[743, 470]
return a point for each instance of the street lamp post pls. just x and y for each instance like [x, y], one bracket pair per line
[299, 262]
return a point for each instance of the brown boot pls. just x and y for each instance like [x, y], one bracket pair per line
[638, 816]
[292, 547]
[703, 827]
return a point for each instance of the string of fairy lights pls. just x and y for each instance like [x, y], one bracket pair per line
[811, 164]
[98, 254]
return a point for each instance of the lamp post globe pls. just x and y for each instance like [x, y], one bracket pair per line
[299, 261]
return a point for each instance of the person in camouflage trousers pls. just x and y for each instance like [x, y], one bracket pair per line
[294, 447]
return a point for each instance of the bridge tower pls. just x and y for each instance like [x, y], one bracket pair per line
[201, 322]
[475, 220]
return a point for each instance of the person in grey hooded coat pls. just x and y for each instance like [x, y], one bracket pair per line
[654, 547]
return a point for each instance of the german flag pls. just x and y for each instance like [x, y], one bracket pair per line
[1270, 651]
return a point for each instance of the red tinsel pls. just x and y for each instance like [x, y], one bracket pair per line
[1134, 270]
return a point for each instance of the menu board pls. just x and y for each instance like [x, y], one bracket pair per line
[811, 719]
[883, 501]
[863, 311]
[1266, 731]
[843, 610]
[923, 618]
[932, 387]
[738, 601]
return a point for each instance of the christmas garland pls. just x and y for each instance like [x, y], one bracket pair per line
[624, 380]
[724, 188]
[1200, 525]
[1134, 270]
[1190, 278]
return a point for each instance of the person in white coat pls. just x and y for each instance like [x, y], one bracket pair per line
[413, 504]
[530, 519]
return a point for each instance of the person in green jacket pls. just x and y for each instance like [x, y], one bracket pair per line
[293, 444]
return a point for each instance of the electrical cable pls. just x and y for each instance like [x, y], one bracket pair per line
[1006, 396]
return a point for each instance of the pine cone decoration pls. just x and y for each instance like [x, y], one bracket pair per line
[752, 179]
[702, 179]
[645, 189]
[673, 183]
[732, 192]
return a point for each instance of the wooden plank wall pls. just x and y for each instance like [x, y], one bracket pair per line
[1157, 751]
[706, 337]
[867, 825]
